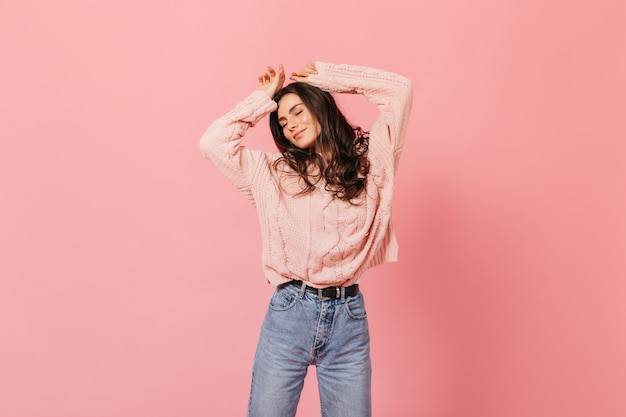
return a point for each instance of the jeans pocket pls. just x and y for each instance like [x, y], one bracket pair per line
[355, 306]
[283, 299]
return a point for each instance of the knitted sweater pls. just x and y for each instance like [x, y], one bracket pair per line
[315, 237]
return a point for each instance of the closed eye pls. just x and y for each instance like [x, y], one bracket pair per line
[291, 111]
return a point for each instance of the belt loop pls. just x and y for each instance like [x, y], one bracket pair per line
[302, 290]
[343, 295]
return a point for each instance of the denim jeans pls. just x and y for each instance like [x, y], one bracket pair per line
[300, 330]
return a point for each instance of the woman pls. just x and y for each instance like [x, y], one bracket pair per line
[324, 204]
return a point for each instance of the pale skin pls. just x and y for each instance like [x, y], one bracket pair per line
[272, 81]
[299, 126]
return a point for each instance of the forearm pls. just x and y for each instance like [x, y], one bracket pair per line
[221, 143]
[375, 84]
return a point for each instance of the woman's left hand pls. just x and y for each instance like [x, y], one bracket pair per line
[304, 73]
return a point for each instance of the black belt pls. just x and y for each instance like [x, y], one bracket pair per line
[328, 293]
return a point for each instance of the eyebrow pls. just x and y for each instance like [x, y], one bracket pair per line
[289, 112]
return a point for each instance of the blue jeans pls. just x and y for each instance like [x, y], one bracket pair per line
[300, 330]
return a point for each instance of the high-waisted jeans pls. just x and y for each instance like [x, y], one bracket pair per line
[300, 330]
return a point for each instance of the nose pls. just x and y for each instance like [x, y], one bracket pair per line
[292, 124]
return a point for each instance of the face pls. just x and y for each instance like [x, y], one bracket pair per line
[299, 126]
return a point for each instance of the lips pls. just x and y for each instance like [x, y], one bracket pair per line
[298, 134]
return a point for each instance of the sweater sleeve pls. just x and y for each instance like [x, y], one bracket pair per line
[392, 93]
[221, 143]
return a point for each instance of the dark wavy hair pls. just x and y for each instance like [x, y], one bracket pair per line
[345, 172]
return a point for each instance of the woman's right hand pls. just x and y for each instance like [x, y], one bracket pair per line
[272, 81]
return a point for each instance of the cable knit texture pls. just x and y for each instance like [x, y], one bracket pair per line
[315, 237]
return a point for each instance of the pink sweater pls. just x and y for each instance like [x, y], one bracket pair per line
[315, 237]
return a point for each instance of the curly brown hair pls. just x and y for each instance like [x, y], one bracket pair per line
[345, 172]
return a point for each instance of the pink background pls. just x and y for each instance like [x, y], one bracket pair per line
[130, 269]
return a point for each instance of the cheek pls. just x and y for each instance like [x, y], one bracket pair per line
[305, 117]
[310, 120]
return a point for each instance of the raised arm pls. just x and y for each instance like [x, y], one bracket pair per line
[392, 93]
[221, 143]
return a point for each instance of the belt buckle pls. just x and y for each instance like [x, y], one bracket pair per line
[322, 297]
